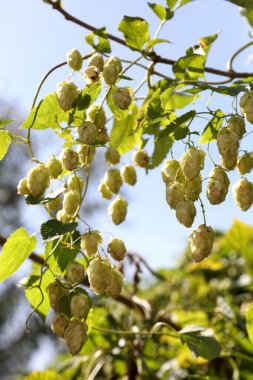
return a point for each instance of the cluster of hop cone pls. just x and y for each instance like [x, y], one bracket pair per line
[183, 178]
[71, 302]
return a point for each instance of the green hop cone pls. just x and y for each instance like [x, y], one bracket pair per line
[117, 249]
[122, 98]
[174, 194]
[116, 282]
[54, 204]
[99, 274]
[243, 193]
[87, 133]
[237, 125]
[227, 142]
[71, 202]
[74, 272]
[63, 217]
[60, 324]
[75, 183]
[191, 162]
[141, 158]
[114, 61]
[128, 174]
[104, 191]
[246, 104]
[112, 156]
[90, 241]
[219, 174]
[118, 210]
[69, 159]
[245, 163]
[86, 154]
[67, 94]
[80, 306]
[113, 180]
[228, 163]
[54, 167]
[76, 335]
[186, 212]
[193, 188]
[97, 60]
[22, 188]
[169, 170]
[96, 114]
[38, 180]
[74, 59]
[216, 191]
[111, 70]
[217, 187]
[91, 74]
[56, 292]
[201, 242]
[103, 137]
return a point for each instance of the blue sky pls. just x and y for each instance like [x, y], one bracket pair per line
[34, 38]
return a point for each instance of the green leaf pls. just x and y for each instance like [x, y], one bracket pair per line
[53, 228]
[155, 41]
[159, 10]
[191, 66]
[135, 31]
[239, 239]
[176, 123]
[172, 100]
[248, 13]
[211, 130]
[16, 250]
[242, 3]
[249, 322]
[124, 134]
[200, 341]
[117, 112]
[43, 375]
[181, 132]
[48, 113]
[36, 292]
[162, 147]
[103, 45]
[171, 3]
[62, 253]
[5, 122]
[5, 141]
[30, 200]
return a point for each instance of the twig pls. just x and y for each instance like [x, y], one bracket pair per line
[151, 55]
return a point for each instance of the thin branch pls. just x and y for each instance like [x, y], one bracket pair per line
[151, 55]
[231, 60]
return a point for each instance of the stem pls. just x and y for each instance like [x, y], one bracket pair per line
[152, 55]
[203, 210]
[159, 29]
[231, 60]
[131, 333]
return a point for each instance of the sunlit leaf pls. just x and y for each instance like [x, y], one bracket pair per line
[201, 341]
[16, 250]
[172, 100]
[125, 134]
[103, 44]
[5, 141]
[212, 128]
[162, 147]
[135, 31]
